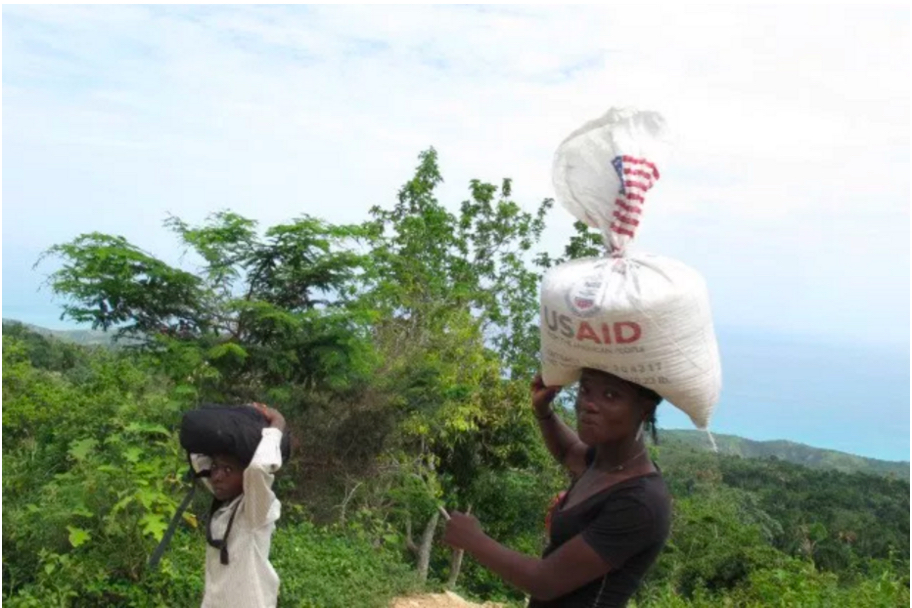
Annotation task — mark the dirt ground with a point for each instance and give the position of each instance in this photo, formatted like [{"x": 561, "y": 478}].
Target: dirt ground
[{"x": 447, "y": 599}]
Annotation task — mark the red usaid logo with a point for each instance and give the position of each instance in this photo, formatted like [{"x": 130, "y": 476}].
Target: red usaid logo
[
  {"x": 619, "y": 332},
  {"x": 622, "y": 332}
]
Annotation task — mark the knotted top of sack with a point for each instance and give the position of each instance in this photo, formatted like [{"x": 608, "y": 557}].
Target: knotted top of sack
[{"x": 604, "y": 169}]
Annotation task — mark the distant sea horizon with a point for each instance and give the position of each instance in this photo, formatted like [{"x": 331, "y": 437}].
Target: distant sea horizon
[{"x": 845, "y": 396}]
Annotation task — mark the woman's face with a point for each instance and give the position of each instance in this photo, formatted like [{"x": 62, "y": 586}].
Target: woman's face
[{"x": 608, "y": 409}]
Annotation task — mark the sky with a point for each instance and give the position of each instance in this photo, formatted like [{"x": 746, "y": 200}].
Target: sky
[{"x": 788, "y": 186}]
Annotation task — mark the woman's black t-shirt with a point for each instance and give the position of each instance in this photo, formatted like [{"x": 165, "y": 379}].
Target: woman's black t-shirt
[{"x": 627, "y": 524}]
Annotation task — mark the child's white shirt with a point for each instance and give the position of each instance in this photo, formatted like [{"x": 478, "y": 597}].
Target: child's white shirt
[{"x": 248, "y": 580}]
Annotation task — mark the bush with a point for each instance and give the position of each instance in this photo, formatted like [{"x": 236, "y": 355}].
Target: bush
[
  {"x": 89, "y": 474},
  {"x": 330, "y": 567}
]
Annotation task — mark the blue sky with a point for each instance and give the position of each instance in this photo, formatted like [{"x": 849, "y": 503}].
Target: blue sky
[{"x": 788, "y": 188}]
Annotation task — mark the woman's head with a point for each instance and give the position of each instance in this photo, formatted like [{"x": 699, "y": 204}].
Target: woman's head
[{"x": 612, "y": 410}]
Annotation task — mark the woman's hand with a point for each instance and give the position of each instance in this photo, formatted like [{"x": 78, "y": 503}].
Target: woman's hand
[
  {"x": 542, "y": 396},
  {"x": 462, "y": 531}
]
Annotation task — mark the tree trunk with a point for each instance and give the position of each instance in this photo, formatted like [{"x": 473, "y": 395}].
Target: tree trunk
[
  {"x": 424, "y": 551},
  {"x": 409, "y": 543},
  {"x": 455, "y": 566},
  {"x": 345, "y": 501},
  {"x": 456, "y": 561}
]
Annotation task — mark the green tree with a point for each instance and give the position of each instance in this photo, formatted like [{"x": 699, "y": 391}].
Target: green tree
[
  {"x": 263, "y": 311},
  {"x": 455, "y": 304},
  {"x": 430, "y": 263}
]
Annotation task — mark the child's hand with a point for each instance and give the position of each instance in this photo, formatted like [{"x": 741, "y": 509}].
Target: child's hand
[{"x": 273, "y": 417}]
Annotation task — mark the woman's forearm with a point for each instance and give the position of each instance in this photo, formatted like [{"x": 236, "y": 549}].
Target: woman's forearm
[
  {"x": 559, "y": 438},
  {"x": 521, "y": 571}
]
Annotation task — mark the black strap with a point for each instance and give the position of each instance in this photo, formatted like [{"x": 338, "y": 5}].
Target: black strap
[
  {"x": 220, "y": 544},
  {"x": 172, "y": 527}
]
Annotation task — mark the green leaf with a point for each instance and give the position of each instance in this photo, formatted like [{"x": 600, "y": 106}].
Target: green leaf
[
  {"x": 138, "y": 427},
  {"x": 227, "y": 349},
  {"x": 147, "y": 497},
  {"x": 132, "y": 454},
  {"x": 153, "y": 525},
  {"x": 78, "y": 536},
  {"x": 121, "y": 504},
  {"x": 81, "y": 449}
]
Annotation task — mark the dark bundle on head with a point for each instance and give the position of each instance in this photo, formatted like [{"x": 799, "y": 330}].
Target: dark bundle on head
[{"x": 227, "y": 430}]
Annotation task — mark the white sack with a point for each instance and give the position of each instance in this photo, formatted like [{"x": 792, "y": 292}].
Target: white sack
[{"x": 644, "y": 318}]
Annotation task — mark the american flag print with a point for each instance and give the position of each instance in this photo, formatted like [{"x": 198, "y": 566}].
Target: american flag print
[{"x": 636, "y": 177}]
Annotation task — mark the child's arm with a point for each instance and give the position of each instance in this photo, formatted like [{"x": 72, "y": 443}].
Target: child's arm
[{"x": 258, "y": 476}]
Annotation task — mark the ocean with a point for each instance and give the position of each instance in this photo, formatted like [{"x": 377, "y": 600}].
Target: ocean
[{"x": 837, "y": 395}]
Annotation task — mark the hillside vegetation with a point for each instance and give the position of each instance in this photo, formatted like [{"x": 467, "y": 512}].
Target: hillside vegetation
[{"x": 400, "y": 351}]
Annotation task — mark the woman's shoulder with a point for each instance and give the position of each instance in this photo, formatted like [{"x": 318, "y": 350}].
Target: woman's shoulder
[
  {"x": 646, "y": 491},
  {"x": 640, "y": 506},
  {"x": 646, "y": 500}
]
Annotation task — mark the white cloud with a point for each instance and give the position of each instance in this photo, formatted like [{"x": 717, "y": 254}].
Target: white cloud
[{"x": 784, "y": 119}]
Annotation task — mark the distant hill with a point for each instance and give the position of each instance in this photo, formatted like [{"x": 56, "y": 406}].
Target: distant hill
[
  {"x": 797, "y": 453},
  {"x": 85, "y": 337}
]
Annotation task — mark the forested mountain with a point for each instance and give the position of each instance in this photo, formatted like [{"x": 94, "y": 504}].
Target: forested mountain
[
  {"x": 789, "y": 451},
  {"x": 85, "y": 337}
]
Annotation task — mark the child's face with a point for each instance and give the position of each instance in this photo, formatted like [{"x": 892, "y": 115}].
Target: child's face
[{"x": 227, "y": 477}]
